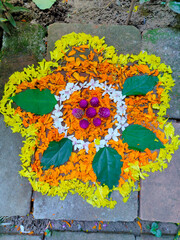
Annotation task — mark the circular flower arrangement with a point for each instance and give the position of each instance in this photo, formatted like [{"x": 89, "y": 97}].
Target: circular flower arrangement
[{"x": 93, "y": 123}]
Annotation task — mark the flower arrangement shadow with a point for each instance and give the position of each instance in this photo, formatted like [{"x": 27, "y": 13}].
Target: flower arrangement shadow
[{"x": 93, "y": 121}]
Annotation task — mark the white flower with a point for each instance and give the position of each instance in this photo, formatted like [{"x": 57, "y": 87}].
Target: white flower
[
  {"x": 121, "y": 110},
  {"x": 112, "y": 133},
  {"x": 93, "y": 84},
  {"x": 116, "y": 96},
  {"x": 57, "y": 112},
  {"x": 100, "y": 144},
  {"x": 83, "y": 145},
  {"x": 108, "y": 89},
  {"x": 74, "y": 140},
  {"x": 121, "y": 123}
]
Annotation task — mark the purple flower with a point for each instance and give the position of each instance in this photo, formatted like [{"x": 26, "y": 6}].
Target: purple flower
[
  {"x": 94, "y": 102},
  {"x": 84, "y": 123},
  {"x": 83, "y": 103},
  {"x": 104, "y": 112},
  {"x": 91, "y": 112},
  {"x": 77, "y": 112},
  {"x": 97, "y": 122}
]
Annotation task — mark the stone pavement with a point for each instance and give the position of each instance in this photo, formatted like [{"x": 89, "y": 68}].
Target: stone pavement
[{"x": 159, "y": 196}]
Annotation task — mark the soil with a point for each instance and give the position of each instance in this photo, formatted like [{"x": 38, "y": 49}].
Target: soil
[{"x": 149, "y": 15}]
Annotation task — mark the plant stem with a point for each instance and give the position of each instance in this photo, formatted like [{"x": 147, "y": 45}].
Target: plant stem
[{"x": 130, "y": 11}]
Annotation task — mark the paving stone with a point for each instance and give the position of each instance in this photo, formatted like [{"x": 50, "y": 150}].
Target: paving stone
[
  {"x": 149, "y": 237},
  {"x": 89, "y": 236},
  {"x": 11, "y": 64},
  {"x": 15, "y": 192},
  {"x": 25, "y": 39},
  {"x": 160, "y": 192},
  {"x": 126, "y": 39},
  {"x": 74, "y": 207},
  {"x": 165, "y": 42},
  {"x": 18, "y": 237}
]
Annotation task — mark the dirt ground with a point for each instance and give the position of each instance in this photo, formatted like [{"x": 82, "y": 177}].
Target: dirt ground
[{"x": 145, "y": 16}]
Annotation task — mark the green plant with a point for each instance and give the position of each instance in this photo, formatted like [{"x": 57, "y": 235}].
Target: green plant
[
  {"x": 175, "y": 6},
  {"x": 154, "y": 230},
  {"x": 6, "y": 10},
  {"x": 44, "y": 4}
]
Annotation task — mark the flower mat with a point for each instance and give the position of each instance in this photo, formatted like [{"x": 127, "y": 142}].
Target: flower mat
[{"x": 94, "y": 122}]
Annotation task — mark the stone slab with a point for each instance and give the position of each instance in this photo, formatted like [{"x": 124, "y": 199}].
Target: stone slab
[
  {"x": 15, "y": 192},
  {"x": 126, "y": 39},
  {"x": 11, "y": 64},
  {"x": 165, "y": 42},
  {"x": 25, "y": 39},
  {"x": 20, "y": 237},
  {"x": 160, "y": 192},
  {"x": 75, "y": 208},
  {"x": 150, "y": 237},
  {"x": 89, "y": 236}
]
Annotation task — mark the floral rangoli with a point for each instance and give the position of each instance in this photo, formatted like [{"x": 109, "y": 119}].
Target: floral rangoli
[{"x": 94, "y": 122}]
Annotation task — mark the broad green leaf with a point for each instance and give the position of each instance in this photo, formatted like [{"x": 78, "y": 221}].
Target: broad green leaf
[
  {"x": 5, "y": 28},
  {"x": 10, "y": 18},
  {"x": 44, "y": 4},
  {"x": 1, "y": 6},
  {"x": 107, "y": 166},
  {"x": 35, "y": 101},
  {"x": 57, "y": 153},
  {"x": 175, "y": 6},
  {"x": 139, "y": 138},
  {"x": 139, "y": 85}
]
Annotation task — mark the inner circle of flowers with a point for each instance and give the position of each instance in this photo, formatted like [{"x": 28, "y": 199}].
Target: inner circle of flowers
[{"x": 120, "y": 116}]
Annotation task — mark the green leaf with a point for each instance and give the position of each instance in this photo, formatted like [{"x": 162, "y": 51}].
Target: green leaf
[
  {"x": 19, "y": 9},
  {"x": 35, "y": 101},
  {"x": 153, "y": 231},
  {"x": 5, "y": 28},
  {"x": 10, "y": 18},
  {"x": 139, "y": 138},
  {"x": 107, "y": 166},
  {"x": 3, "y": 20},
  {"x": 1, "y": 6},
  {"x": 158, "y": 233},
  {"x": 139, "y": 85},
  {"x": 57, "y": 153},
  {"x": 44, "y": 4},
  {"x": 175, "y": 6},
  {"x": 154, "y": 225}
]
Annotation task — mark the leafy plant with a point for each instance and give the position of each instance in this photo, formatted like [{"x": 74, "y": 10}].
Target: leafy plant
[
  {"x": 6, "y": 9},
  {"x": 175, "y": 6},
  {"x": 154, "y": 230},
  {"x": 44, "y": 4}
]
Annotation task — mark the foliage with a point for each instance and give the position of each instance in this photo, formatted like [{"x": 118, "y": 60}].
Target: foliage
[
  {"x": 6, "y": 10},
  {"x": 35, "y": 101},
  {"x": 173, "y": 5},
  {"x": 139, "y": 85},
  {"x": 154, "y": 230},
  {"x": 139, "y": 138},
  {"x": 107, "y": 166},
  {"x": 44, "y": 4},
  {"x": 57, "y": 153}
]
